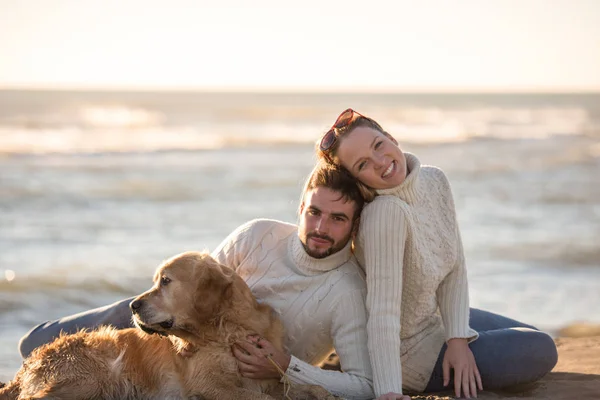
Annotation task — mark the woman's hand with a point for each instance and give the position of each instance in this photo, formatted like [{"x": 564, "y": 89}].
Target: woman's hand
[
  {"x": 466, "y": 375},
  {"x": 393, "y": 396},
  {"x": 253, "y": 358}
]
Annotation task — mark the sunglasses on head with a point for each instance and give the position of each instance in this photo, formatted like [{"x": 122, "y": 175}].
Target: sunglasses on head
[{"x": 345, "y": 119}]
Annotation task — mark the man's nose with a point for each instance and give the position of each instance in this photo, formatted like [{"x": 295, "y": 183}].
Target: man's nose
[{"x": 322, "y": 224}]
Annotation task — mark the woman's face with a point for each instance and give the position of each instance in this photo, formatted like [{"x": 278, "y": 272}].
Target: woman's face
[{"x": 372, "y": 157}]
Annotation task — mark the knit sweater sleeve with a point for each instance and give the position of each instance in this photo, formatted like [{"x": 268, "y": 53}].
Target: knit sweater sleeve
[
  {"x": 453, "y": 293},
  {"x": 348, "y": 330},
  {"x": 453, "y": 299},
  {"x": 382, "y": 235}
]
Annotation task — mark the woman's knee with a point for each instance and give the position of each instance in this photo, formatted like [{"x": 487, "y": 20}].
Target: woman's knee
[
  {"x": 540, "y": 355},
  {"x": 514, "y": 356},
  {"x": 546, "y": 355}
]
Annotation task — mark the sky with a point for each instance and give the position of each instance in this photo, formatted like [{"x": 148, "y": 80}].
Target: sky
[{"x": 396, "y": 45}]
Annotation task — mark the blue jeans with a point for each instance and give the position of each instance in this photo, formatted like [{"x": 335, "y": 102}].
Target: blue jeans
[
  {"x": 117, "y": 314},
  {"x": 507, "y": 353}
]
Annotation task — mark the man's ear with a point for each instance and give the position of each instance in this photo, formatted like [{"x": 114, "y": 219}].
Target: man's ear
[{"x": 355, "y": 227}]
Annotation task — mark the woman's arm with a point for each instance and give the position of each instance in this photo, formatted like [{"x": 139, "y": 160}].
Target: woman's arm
[
  {"x": 453, "y": 302},
  {"x": 382, "y": 235},
  {"x": 453, "y": 293},
  {"x": 453, "y": 299}
]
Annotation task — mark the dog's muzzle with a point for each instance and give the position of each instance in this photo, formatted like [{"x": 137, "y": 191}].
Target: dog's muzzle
[{"x": 151, "y": 331}]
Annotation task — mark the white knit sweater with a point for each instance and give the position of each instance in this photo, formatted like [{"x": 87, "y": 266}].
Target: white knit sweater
[
  {"x": 410, "y": 246},
  {"x": 321, "y": 303}
]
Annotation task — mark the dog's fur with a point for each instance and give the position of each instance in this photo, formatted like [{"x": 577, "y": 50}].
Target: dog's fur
[{"x": 199, "y": 308}]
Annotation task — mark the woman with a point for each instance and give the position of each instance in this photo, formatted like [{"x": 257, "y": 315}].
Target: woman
[{"x": 420, "y": 325}]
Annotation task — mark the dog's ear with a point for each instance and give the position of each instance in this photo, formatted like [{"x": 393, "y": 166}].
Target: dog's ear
[
  {"x": 227, "y": 272},
  {"x": 214, "y": 286},
  {"x": 218, "y": 274}
]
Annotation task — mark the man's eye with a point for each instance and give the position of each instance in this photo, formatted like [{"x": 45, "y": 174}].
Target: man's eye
[
  {"x": 378, "y": 144},
  {"x": 164, "y": 281}
]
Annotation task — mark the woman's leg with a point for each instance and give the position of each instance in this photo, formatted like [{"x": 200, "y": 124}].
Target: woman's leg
[
  {"x": 505, "y": 356},
  {"x": 487, "y": 321},
  {"x": 117, "y": 315}
]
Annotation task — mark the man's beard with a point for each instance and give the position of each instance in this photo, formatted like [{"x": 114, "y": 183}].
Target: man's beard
[{"x": 334, "y": 248}]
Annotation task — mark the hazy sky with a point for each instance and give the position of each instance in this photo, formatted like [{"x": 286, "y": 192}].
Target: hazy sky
[{"x": 308, "y": 44}]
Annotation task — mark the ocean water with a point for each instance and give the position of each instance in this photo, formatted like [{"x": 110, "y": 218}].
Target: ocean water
[{"x": 97, "y": 188}]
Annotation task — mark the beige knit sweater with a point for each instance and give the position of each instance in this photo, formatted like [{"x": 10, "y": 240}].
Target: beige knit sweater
[
  {"x": 417, "y": 297},
  {"x": 321, "y": 302}
]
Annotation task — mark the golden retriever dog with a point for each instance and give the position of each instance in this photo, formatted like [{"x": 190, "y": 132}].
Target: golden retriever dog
[{"x": 199, "y": 308}]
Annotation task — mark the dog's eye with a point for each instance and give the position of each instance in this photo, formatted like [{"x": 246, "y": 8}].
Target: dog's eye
[{"x": 164, "y": 281}]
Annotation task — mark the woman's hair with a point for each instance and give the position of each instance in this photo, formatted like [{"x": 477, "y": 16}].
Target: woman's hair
[
  {"x": 330, "y": 156},
  {"x": 337, "y": 179}
]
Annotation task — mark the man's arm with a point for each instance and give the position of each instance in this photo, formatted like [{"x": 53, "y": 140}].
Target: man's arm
[
  {"x": 349, "y": 333},
  {"x": 117, "y": 314}
]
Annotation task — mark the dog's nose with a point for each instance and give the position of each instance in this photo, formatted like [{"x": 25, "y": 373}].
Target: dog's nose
[{"x": 135, "y": 305}]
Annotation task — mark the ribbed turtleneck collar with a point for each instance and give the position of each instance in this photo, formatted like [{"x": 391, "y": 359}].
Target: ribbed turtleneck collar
[
  {"x": 313, "y": 266},
  {"x": 408, "y": 189}
]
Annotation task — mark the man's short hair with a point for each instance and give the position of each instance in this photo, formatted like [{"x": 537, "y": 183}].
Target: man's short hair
[{"x": 338, "y": 180}]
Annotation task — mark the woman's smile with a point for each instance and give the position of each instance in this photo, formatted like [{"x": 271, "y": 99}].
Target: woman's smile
[{"x": 390, "y": 170}]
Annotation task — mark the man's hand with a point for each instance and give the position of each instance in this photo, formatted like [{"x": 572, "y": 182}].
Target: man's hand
[
  {"x": 393, "y": 396},
  {"x": 253, "y": 358},
  {"x": 466, "y": 375}
]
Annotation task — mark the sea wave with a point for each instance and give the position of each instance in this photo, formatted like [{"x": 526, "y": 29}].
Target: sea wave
[
  {"x": 38, "y": 123},
  {"x": 152, "y": 138},
  {"x": 26, "y": 293}
]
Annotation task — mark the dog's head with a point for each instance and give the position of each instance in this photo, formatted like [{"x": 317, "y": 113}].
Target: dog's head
[{"x": 189, "y": 290}]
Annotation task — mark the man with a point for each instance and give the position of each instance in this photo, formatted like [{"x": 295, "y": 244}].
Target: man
[{"x": 307, "y": 273}]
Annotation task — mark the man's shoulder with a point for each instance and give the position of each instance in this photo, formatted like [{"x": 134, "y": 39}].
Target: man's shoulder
[{"x": 264, "y": 225}]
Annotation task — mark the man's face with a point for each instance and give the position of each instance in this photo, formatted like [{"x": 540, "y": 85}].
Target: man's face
[{"x": 325, "y": 222}]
